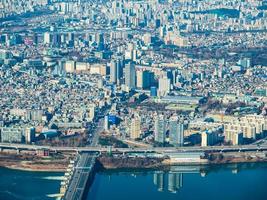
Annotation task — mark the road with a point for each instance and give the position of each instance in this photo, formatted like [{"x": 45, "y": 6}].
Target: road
[
  {"x": 83, "y": 168},
  {"x": 99, "y": 149},
  {"x": 99, "y": 129}
]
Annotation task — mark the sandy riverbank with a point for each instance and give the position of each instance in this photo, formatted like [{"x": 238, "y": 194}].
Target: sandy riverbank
[{"x": 33, "y": 163}]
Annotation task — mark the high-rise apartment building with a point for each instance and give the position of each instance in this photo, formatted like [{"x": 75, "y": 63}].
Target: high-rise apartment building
[
  {"x": 144, "y": 79},
  {"x": 135, "y": 131},
  {"x": 113, "y": 72},
  {"x": 130, "y": 76},
  {"x": 164, "y": 86},
  {"x": 47, "y": 38},
  {"x": 160, "y": 129},
  {"x": 209, "y": 138},
  {"x": 176, "y": 134}
]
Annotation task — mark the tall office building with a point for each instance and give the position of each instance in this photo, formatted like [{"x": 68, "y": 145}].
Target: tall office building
[
  {"x": 56, "y": 39},
  {"x": 208, "y": 138},
  {"x": 237, "y": 138},
  {"x": 70, "y": 39},
  {"x": 139, "y": 79},
  {"x": 91, "y": 112},
  {"x": 70, "y": 66},
  {"x": 106, "y": 123},
  {"x": 170, "y": 74},
  {"x": 164, "y": 86},
  {"x": 134, "y": 55},
  {"x": 135, "y": 131},
  {"x": 29, "y": 135},
  {"x": 130, "y": 76},
  {"x": 35, "y": 38},
  {"x": 120, "y": 66},
  {"x": 160, "y": 129},
  {"x": 144, "y": 79},
  {"x": 47, "y": 38},
  {"x": 176, "y": 134},
  {"x": 99, "y": 38},
  {"x": 116, "y": 70},
  {"x": 60, "y": 68},
  {"x": 113, "y": 71},
  {"x": 204, "y": 139}
]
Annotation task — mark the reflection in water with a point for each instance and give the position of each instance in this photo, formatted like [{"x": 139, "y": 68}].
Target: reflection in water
[
  {"x": 179, "y": 182},
  {"x": 174, "y": 178},
  {"x": 175, "y": 181},
  {"x": 159, "y": 180}
]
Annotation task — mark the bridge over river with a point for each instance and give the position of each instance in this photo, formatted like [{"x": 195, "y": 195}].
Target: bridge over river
[{"x": 83, "y": 174}]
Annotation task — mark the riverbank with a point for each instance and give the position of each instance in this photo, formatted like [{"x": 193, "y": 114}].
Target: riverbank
[
  {"x": 237, "y": 157},
  {"x": 121, "y": 162},
  {"x": 59, "y": 162},
  {"x": 28, "y": 162}
]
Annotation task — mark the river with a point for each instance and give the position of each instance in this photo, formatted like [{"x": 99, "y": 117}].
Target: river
[
  {"x": 226, "y": 182},
  {"x": 221, "y": 182},
  {"x": 26, "y": 185}
]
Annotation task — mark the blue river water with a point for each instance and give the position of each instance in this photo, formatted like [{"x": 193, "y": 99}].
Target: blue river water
[
  {"x": 224, "y": 182},
  {"x": 228, "y": 182},
  {"x": 25, "y": 185}
]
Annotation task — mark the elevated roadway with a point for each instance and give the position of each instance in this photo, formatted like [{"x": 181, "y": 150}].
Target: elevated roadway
[
  {"x": 83, "y": 170},
  {"x": 98, "y": 149},
  {"x": 81, "y": 174}
]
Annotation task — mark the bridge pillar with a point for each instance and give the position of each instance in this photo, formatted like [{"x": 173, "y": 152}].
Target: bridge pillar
[{"x": 1, "y": 149}]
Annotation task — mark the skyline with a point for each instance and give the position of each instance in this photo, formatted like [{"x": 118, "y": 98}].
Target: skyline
[{"x": 88, "y": 85}]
